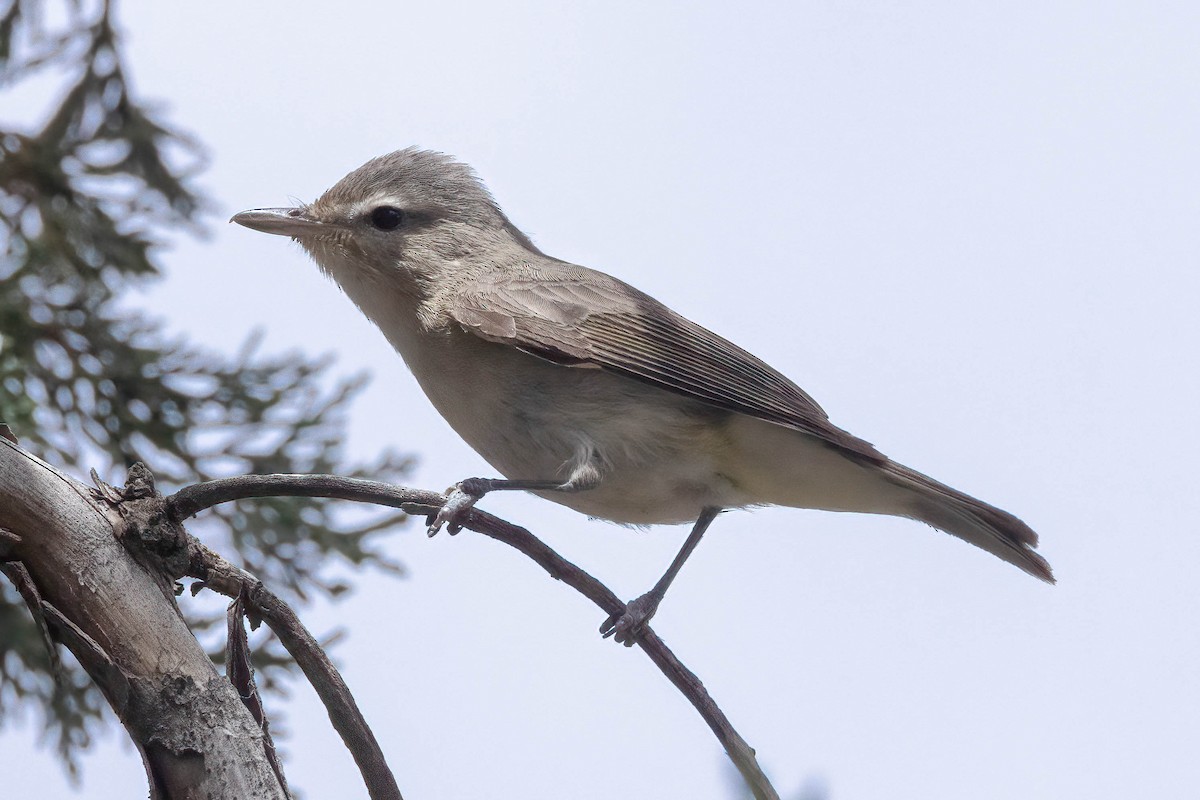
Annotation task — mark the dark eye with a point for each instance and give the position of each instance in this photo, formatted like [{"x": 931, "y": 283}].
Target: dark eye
[{"x": 387, "y": 218}]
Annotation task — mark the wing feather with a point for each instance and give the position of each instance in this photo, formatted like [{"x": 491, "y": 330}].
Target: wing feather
[{"x": 579, "y": 317}]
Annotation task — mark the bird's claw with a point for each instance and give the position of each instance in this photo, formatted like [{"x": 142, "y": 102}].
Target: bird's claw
[
  {"x": 628, "y": 626},
  {"x": 459, "y": 500}
]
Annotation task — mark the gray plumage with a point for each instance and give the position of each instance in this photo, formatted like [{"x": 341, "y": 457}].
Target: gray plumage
[{"x": 556, "y": 372}]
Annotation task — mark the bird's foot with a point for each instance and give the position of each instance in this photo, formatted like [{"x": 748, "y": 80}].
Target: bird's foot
[
  {"x": 460, "y": 498},
  {"x": 628, "y": 626}
]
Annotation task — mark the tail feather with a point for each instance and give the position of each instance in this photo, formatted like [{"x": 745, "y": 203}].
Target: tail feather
[{"x": 985, "y": 526}]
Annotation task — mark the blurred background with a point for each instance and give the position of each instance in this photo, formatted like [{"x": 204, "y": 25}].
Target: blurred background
[{"x": 968, "y": 230}]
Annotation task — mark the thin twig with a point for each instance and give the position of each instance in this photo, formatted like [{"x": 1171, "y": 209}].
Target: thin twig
[
  {"x": 240, "y": 672},
  {"x": 195, "y": 498},
  {"x": 91, "y": 655},
  {"x": 190, "y": 500},
  {"x": 8, "y": 544},
  {"x": 686, "y": 681},
  {"x": 18, "y": 574},
  {"x": 223, "y": 577}
]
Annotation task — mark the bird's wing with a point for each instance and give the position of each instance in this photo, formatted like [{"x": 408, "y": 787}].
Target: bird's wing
[{"x": 582, "y": 318}]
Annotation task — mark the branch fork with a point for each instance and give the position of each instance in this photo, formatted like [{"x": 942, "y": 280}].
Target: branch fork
[
  {"x": 221, "y": 576},
  {"x": 150, "y": 527}
]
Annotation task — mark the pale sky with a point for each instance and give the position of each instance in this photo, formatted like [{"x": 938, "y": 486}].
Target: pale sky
[{"x": 970, "y": 232}]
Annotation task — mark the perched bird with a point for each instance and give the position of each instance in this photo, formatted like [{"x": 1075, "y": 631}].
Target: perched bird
[{"x": 578, "y": 387}]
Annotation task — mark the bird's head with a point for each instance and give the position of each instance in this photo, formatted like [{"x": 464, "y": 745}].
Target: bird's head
[{"x": 405, "y": 215}]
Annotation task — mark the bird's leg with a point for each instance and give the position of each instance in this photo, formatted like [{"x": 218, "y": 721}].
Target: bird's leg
[
  {"x": 626, "y": 627},
  {"x": 467, "y": 493}
]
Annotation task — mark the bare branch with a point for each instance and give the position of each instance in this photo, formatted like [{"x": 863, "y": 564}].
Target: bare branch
[
  {"x": 19, "y": 576},
  {"x": 8, "y": 541},
  {"x": 190, "y": 500},
  {"x": 240, "y": 672},
  {"x": 108, "y": 676},
  {"x": 188, "y": 724},
  {"x": 223, "y": 577},
  {"x": 193, "y": 499},
  {"x": 686, "y": 681}
]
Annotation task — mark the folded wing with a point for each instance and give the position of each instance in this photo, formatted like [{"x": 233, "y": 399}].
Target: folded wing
[{"x": 581, "y": 318}]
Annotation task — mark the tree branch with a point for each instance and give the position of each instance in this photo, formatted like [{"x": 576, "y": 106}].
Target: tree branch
[
  {"x": 187, "y": 722},
  {"x": 8, "y": 541},
  {"x": 223, "y": 577},
  {"x": 240, "y": 672},
  {"x": 195, "y": 498},
  {"x": 22, "y": 581}
]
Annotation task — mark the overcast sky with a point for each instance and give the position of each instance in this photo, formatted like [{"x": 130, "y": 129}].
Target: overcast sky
[{"x": 969, "y": 232}]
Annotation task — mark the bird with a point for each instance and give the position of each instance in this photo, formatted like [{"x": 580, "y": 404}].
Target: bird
[{"x": 578, "y": 387}]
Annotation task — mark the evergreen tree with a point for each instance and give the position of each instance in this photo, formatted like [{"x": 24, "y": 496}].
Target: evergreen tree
[{"x": 86, "y": 198}]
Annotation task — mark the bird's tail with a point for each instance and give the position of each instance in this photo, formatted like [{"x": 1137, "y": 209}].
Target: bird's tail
[{"x": 996, "y": 531}]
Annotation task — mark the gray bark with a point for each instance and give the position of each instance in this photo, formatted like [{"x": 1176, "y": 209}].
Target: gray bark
[{"x": 117, "y": 614}]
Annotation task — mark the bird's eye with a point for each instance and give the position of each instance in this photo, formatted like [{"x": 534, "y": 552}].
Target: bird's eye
[{"x": 387, "y": 218}]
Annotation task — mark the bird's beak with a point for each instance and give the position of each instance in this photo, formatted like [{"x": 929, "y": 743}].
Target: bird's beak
[{"x": 293, "y": 222}]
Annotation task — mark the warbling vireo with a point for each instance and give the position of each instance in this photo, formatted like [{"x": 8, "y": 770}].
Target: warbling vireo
[{"x": 580, "y": 388}]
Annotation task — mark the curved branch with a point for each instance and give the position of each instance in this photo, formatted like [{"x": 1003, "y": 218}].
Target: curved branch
[
  {"x": 192, "y": 499},
  {"x": 227, "y": 579}
]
